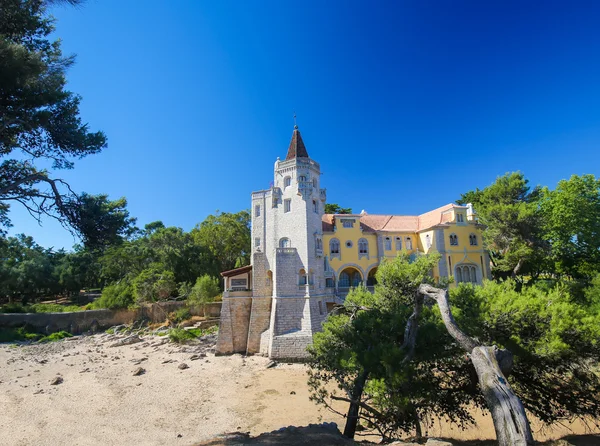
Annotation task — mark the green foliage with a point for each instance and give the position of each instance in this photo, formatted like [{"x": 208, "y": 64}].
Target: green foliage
[
  {"x": 554, "y": 337},
  {"x": 510, "y": 212},
  {"x": 41, "y": 126},
  {"x": 18, "y": 334},
  {"x": 205, "y": 290},
  {"x": 180, "y": 315},
  {"x": 101, "y": 222},
  {"x": 116, "y": 296},
  {"x": 571, "y": 215},
  {"x": 227, "y": 237},
  {"x": 57, "y": 336},
  {"x": 181, "y": 336},
  {"x": 154, "y": 284},
  {"x": 334, "y": 208}
]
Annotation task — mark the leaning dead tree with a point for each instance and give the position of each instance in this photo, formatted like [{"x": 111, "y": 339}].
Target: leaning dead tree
[{"x": 491, "y": 365}]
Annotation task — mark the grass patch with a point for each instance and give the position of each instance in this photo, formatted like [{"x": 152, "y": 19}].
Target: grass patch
[
  {"x": 56, "y": 336},
  {"x": 180, "y": 336},
  {"x": 39, "y": 308},
  {"x": 26, "y": 334}
]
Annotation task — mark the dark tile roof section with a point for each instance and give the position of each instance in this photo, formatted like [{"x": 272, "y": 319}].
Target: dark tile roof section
[
  {"x": 235, "y": 272},
  {"x": 297, "y": 148}
]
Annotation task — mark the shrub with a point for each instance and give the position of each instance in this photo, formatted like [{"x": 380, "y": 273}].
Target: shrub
[
  {"x": 56, "y": 336},
  {"x": 205, "y": 290},
  {"x": 183, "y": 314},
  {"x": 180, "y": 336},
  {"x": 118, "y": 295},
  {"x": 153, "y": 284}
]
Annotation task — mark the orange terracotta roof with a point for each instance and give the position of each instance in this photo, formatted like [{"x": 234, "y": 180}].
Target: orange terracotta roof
[
  {"x": 432, "y": 218},
  {"x": 297, "y": 149},
  {"x": 395, "y": 223}
]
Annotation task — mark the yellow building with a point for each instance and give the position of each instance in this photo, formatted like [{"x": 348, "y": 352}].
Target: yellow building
[
  {"x": 305, "y": 261},
  {"x": 355, "y": 244}
]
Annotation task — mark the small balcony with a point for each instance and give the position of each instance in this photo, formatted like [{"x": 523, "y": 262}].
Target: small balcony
[{"x": 285, "y": 251}]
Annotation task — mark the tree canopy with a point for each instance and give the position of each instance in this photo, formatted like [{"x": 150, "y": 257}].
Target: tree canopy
[{"x": 41, "y": 128}]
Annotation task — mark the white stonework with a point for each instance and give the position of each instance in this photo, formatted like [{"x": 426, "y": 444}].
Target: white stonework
[{"x": 288, "y": 273}]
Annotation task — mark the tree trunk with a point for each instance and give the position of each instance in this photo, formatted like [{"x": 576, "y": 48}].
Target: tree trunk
[
  {"x": 508, "y": 413},
  {"x": 491, "y": 365},
  {"x": 352, "y": 417}
]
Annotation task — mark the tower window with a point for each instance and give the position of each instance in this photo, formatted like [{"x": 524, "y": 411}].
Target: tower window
[
  {"x": 453, "y": 240},
  {"x": 257, "y": 242},
  {"x": 287, "y": 181},
  {"x": 257, "y": 210},
  {"x": 287, "y": 205},
  {"x": 473, "y": 240},
  {"x": 301, "y": 179},
  {"x": 315, "y": 207},
  {"x": 315, "y": 183}
]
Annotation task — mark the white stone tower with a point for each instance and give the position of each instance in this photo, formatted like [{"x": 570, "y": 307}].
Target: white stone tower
[{"x": 287, "y": 264}]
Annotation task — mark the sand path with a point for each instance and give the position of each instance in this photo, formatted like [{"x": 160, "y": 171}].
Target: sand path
[{"x": 100, "y": 402}]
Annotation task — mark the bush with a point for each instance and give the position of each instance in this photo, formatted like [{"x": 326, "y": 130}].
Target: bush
[
  {"x": 116, "y": 296},
  {"x": 183, "y": 314},
  {"x": 205, "y": 290},
  {"x": 152, "y": 285},
  {"x": 56, "y": 336},
  {"x": 180, "y": 336}
]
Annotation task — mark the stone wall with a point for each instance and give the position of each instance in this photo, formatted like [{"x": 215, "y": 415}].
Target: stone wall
[
  {"x": 234, "y": 325},
  {"x": 260, "y": 317},
  {"x": 77, "y": 322}
]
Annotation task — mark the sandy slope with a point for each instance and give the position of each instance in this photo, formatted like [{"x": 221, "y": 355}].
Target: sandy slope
[{"x": 100, "y": 402}]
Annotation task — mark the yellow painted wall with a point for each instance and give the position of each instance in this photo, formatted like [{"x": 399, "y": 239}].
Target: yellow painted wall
[{"x": 457, "y": 255}]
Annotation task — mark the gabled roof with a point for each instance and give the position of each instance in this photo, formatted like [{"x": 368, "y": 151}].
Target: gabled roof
[
  {"x": 297, "y": 148},
  {"x": 396, "y": 223}
]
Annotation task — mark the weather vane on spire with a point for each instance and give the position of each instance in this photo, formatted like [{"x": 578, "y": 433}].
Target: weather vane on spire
[{"x": 295, "y": 124}]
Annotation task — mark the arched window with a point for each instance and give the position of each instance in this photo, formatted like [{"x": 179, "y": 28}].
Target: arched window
[
  {"x": 371, "y": 280},
  {"x": 473, "y": 240},
  {"x": 284, "y": 242},
  {"x": 408, "y": 243},
  {"x": 301, "y": 179},
  {"x": 302, "y": 278},
  {"x": 363, "y": 247},
  {"x": 387, "y": 244},
  {"x": 428, "y": 241},
  {"x": 287, "y": 181},
  {"x": 334, "y": 246},
  {"x": 453, "y": 240},
  {"x": 315, "y": 183},
  {"x": 398, "y": 243},
  {"x": 349, "y": 277},
  {"x": 466, "y": 274}
]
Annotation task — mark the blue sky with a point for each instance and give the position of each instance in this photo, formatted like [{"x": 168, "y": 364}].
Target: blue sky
[{"x": 405, "y": 104}]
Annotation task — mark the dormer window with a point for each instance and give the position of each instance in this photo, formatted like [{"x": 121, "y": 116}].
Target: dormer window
[
  {"x": 347, "y": 223},
  {"x": 460, "y": 218}
]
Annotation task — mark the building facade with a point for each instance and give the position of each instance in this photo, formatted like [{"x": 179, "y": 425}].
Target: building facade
[{"x": 305, "y": 261}]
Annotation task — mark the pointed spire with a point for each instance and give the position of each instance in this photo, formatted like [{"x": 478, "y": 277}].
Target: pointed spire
[{"x": 297, "y": 148}]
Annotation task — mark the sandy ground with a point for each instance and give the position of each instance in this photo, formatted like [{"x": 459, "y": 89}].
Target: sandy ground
[{"x": 101, "y": 402}]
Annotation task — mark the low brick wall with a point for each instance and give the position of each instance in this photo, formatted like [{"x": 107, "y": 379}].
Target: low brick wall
[{"x": 80, "y": 321}]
